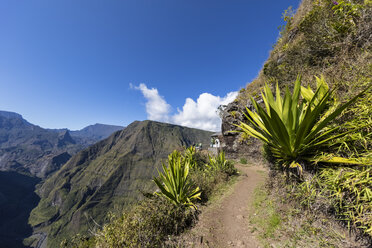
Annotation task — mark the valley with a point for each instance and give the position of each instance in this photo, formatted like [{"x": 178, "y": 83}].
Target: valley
[
  {"x": 28, "y": 155},
  {"x": 17, "y": 199},
  {"x": 76, "y": 177}
]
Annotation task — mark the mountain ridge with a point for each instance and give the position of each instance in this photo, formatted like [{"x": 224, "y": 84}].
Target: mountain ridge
[
  {"x": 106, "y": 176},
  {"x": 30, "y": 149}
]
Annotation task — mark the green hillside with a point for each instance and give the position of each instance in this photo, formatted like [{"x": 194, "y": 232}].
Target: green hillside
[
  {"x": 322, "y": 38},
  {"x": 107, "y": 177}
]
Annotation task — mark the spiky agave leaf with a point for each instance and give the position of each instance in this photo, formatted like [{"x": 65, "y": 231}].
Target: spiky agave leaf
[{"x": 295, "y": 129}]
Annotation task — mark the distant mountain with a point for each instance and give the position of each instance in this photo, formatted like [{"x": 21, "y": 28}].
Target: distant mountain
[
  {"x": 30, "y": 149},
  {"x": 33, "y": 150},
  {"x": 26, "y": 151},
  {"x": 96, "y": 131},
  {"x": 107, "y": 176}
]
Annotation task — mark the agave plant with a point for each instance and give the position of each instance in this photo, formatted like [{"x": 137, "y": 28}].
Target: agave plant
[
  {"x": 217, "y": 163},
  {"x": 295, "y": 129},
  {"x": 190, "y": 156},
  {"x": 221, "y": 163},
  {"x": 174, "y": 183}
]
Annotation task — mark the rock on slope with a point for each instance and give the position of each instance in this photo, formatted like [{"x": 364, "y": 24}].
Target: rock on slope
[{"x": 107, "y": 176}]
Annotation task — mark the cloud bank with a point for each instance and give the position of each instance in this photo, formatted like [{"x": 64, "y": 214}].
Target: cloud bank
[{"x": 201, "y": 113}]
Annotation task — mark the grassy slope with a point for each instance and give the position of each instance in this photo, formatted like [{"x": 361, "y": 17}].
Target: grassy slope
[
  {"x": 107, "y": 176},
  {"x": 311, "y": 45},
  {"x": 277, "y": 218}
]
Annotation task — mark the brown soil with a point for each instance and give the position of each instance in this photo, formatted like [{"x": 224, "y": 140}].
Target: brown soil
[{"x": 225, "y": 223}]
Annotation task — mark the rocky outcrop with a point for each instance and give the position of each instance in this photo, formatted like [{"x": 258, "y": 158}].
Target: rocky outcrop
[
  {"x": 65, "y": 139},
  {"x": 235, "y": 144}
]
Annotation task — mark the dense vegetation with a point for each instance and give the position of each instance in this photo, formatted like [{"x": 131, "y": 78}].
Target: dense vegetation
[
  {"x": 333, "y": 39},
  {"x": 167, "y": 212}
]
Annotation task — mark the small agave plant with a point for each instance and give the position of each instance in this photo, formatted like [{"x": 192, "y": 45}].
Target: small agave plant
[
  {"x": 297, "y": 129},
  {"x": 217, "y": 163},
  {"x": 190, "y": 156},
  {"x": 174, "y": 183}
]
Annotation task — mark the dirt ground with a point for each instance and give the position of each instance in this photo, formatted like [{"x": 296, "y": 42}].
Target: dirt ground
[{"x": 225, "y": 222}]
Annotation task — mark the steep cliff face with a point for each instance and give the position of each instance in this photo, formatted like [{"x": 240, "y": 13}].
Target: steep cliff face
[
  {"x": 107, "y": 176},
  {"x": 329, "y": 38}
]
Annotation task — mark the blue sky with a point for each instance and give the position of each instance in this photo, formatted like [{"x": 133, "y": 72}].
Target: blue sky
[{"x": 73, "y": 63}]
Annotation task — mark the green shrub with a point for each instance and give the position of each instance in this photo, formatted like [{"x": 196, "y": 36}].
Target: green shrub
[
  {"x": 243, "y": 161},
  {"x": 78, "y": 241},
  {"x": 210, "y": 172},
  {"x": 357, "y": 144},
  {"x": 147, "y": 225},
  {"x": 207, "y": 181},
  {"x": 220, "y": 163},
  {"x": 201, "y": 159},
  {"x": 345, "y": 191}
]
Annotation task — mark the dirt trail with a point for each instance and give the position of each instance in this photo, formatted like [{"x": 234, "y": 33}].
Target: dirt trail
[{"x": 225, "y": 224}]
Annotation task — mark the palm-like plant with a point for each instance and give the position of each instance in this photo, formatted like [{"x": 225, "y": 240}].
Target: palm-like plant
[
  {"x": 174, "y": 183},
  {"x": 295, "y": 129}
]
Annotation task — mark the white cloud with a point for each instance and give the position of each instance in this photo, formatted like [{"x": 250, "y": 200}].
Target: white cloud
[
  {"x": 201, "y": 114},
  {"x": 156, "y": 107}
]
